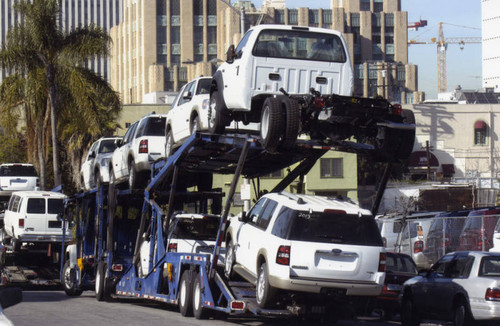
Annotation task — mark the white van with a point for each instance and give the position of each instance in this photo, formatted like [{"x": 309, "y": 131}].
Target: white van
[{"x": 34, "y": 217}]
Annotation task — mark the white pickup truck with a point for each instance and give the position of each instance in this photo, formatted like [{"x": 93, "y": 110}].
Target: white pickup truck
[{"x": 299, "y": 80}]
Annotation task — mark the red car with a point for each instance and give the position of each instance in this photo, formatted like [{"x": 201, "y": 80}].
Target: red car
[
  {"x": 399, "y": 268},
  {"x": 477, "y": 234}
]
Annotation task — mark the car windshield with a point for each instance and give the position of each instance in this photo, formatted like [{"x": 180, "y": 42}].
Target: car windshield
[
  {"x": 155, "y": 127},
  {"x": 300, "y": 45},
  {"x": 400, "y": 264},
  {"x": 204, "y": 86},
  {"x": 490, "y": 266},
  {"x": 196, "y": 228},
  {"x": 17, "y": 170},
  {"x": 107, "y": 146},
  {"x": 329, "y": 227}
]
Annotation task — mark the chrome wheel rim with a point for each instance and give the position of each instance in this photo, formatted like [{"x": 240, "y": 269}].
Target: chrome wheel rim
[{"x": 261, "y": 283}]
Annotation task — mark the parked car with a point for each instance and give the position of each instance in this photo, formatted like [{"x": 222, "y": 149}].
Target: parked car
[
  {"x": 95, "y": 169},
  {"x": 15, "y": 177},
  {"x": 496, "y": 238},
  {"x": 306, "y": 244},
  {"x": 444, "y": 234},
  {"x": 34, "y": 217},
  {"x": 462, "y": 287},
  {"x": 398, "y": 269},
  {"x": 390, "y": 230},
  {"x": 189, "y": 113},
  {"x": 143, "y": 143},
  {"x": 412, "y": 239},
  {"x": 477, "y": 233}
]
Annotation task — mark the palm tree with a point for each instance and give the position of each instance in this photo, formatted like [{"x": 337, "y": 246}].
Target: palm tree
[{"x": 39, "y": 45}]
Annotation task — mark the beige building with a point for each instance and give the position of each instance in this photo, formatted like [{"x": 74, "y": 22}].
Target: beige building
[{"x": 162, "y": 44}]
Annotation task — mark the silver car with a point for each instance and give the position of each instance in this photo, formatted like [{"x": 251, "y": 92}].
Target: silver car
[
  {"x": 461, "y": 287},
  {"x": 95, "y": 169}
]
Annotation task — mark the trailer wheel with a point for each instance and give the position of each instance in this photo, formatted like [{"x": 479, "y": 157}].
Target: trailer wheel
[
  {"x": 216, "y": 115},
  {"x": 264, "y": 292},
  {"x": 271, "y": 124},
  {"x": 292, "y": 122},
  {"x": 102, "y": 292},
  {"x": 69, "y": 281},
  {"x": 198, "y": 310},
  {"x": 186, "y": 294}
]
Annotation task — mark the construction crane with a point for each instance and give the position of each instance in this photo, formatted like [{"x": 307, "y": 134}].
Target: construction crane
[{"x": 442, "y": 45}]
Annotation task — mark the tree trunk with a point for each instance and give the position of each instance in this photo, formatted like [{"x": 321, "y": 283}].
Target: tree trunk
[{"x": 51, "y": 74}]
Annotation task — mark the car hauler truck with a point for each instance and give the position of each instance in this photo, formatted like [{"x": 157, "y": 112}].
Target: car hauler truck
[{"x": 190, "y": 280}]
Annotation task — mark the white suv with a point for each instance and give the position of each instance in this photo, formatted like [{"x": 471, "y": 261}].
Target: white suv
[
  {"x": 95, "y": 169},
  {"x": 307, "y": 244},
  {"x": 15, "y": 177},
  {"x": 143, "y": 143}
]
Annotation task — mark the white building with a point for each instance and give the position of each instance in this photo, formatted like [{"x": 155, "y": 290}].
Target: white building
[
  {"x": 277, "y": 4},
  {"x": 74, "y": 13},
  {"x": 490, "y": 11}
]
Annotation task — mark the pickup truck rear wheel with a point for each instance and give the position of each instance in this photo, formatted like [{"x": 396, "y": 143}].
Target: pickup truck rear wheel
[
  {"x": 271, "y": 124},
  {"x": 265, "y": 292},
  {"x": 216, "y": 115},
  {"x": 292, "y": 121},
  {"x": 69, "y": 281}
]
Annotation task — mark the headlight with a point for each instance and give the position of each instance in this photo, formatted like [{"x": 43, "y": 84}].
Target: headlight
[{"x": 205, "y": 103}]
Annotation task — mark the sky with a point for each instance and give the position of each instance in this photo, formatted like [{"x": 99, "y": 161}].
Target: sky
[{"x": 463, "y": 66}]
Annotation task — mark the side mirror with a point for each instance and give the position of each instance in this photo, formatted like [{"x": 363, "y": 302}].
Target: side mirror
[
  {"x": 10, "y": 297},
  {"x": 242, "y": 217},
  {"x": 187, "y": 95},
  {"x": 118, "y": 142},
  {"x": 230, "y": 54},
  {"x": 92, "y": 154}
]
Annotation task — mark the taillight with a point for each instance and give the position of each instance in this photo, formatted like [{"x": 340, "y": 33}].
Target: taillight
[
  {"x": 237, "y": 305},
  {"x": 117, "y": 267},
  {"x": 172, "y": 247},
  {"x": 143, "y": 146},
  {"x": 381, "y": 261},
  {"x": 21, "y": 222},
  {"x": 38, "y": 182},
  {"x": 418, "y": 247},
  {"x": 492, "y": 294},
  {"x": 396, "y": 109},
  {"x": 283, "y": 256},
  {"x": 319, "y": 102}
]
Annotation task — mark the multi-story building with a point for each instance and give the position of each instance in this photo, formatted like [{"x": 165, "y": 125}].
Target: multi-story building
[
  {"x": 74, "y": 13},
  {"x": 490, "y": 27},
  {"x": 162, "y": 44}
]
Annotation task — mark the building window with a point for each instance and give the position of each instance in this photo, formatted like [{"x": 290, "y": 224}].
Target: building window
[
  {"x": 313, "y": 17},
  {"x": 198, "y": 20},
  {"x": 355, "y": 20},
  {"x": 364, "y": 5},
  {"x": 389, "y": 20},
  {"x": 358, "y": 71},
  {"x": 293, "y": 17},
  {"x": 401, "y": 73},
  {"x": 480, "y": 132},
  {"x": 279, "y": 16},
  {"x": 331, "y": 168},
  {"x": 327, "y": 17}
]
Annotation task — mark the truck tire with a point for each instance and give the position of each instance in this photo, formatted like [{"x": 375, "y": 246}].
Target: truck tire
[
  {"x": 198, "y": 310},
  {"x": 195, "y": 125},
  {"x": 169, "y": 144},
  {"x": 186, "y": 294},
  {"x": 271, "y": 124},
  {"x": 229, "y": 260},
  {"x": 69, "y": 281},
  {"x": 292, "y": 122},
  {"x": 265, "y": 292},
  {"x": 102, "y": 291},
  {"x": 409, "y": 316},
  {"x": 216, "y": 115}
]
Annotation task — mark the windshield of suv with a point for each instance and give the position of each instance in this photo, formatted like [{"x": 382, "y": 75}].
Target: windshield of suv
[
  {"x": 299, "y": 45},
  {"x": 17, "y": 170},
  {"x": 196, "y": 229},
  {"x": 334, "y": 228}
]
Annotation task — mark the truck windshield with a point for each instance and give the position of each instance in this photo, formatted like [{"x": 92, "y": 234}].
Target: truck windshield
[{"x": 299, "y": 45}]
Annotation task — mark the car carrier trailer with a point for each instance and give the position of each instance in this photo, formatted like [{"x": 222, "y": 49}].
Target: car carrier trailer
[{"x": 189, "y": 280}]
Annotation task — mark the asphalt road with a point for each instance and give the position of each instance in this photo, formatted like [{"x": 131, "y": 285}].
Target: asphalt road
[{"x": 55, "y": 308}]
